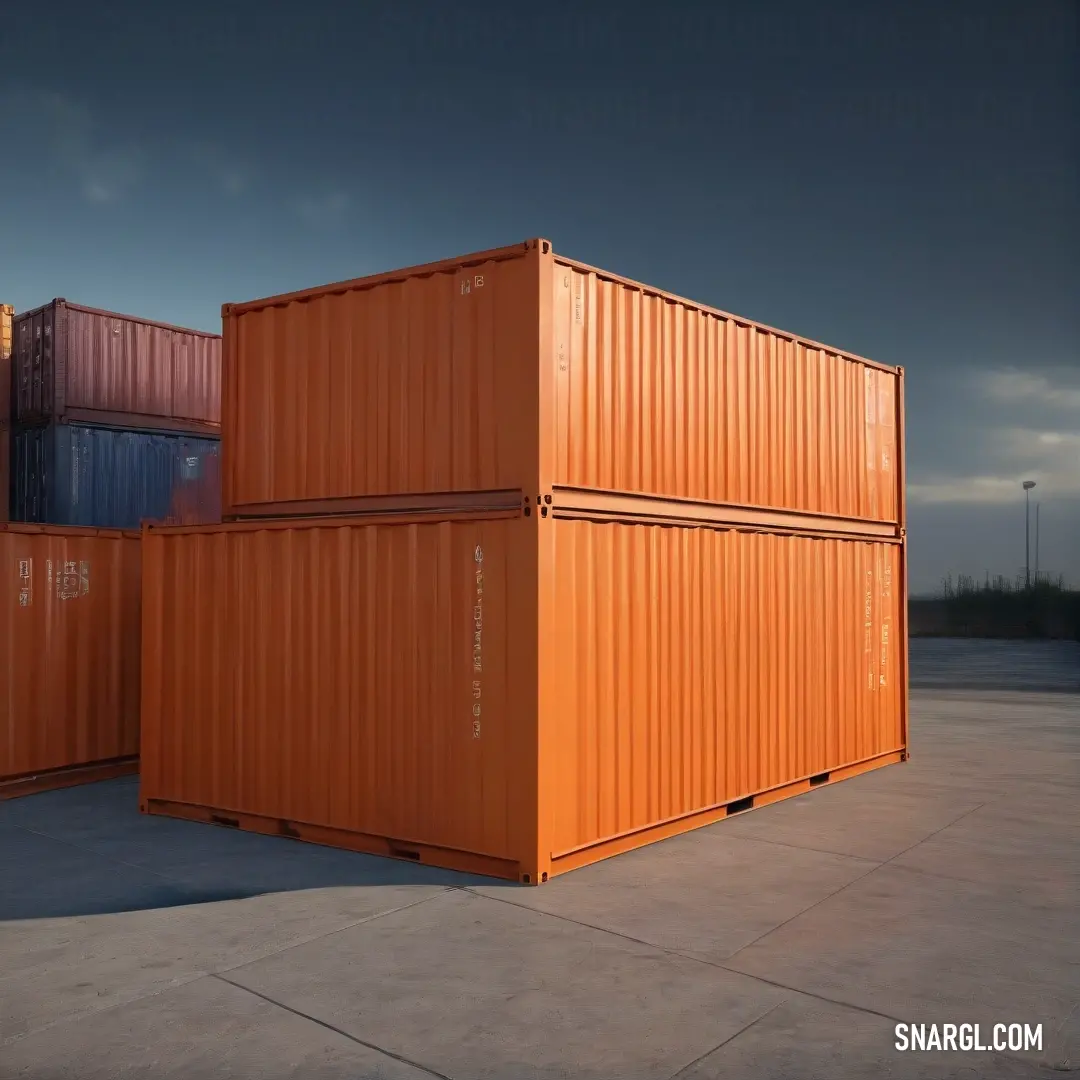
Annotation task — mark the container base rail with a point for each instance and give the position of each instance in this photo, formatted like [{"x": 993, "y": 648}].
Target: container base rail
[
  {"x": 564, "y": 861},
  {"x": 490, "y": 865},
  {"x": 70, "y": 776}
]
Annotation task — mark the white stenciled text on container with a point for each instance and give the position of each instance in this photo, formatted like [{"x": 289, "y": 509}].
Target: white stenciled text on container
[{"x": 477, "y": 639}]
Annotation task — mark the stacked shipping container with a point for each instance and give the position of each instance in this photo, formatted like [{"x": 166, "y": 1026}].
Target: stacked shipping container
[
  {"x": 112, "y": 415},
  {"x": 77, "y": 474},
  {"x": 115, "y": 420},
  {"x": 592, "y": 565}
]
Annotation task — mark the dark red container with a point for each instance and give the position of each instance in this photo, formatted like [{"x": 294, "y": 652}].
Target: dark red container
[
  {"x": 73, "y": 364},
  {"x": 5, "y": 471}
]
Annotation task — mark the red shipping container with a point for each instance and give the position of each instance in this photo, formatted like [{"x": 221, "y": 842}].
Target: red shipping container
[{"x": 74, "y": 363}]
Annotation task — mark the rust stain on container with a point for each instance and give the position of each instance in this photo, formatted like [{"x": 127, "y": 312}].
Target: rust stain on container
[
  {"x": 519, "y": 369},
  {"x": 69, "y": 649},
  {"x": 197, "y": 500},
  {"x": 512, "y": 695},
  {"x": 70, "y": 359}
]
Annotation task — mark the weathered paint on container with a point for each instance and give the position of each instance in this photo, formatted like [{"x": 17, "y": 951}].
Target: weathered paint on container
[
  {"x": 70, "y": 361},
  {"x": 73, "y": 474},
  {"x": 69, "y": 655},
  {"x": 518, "y": 370},
  {"x": 196, "y": 499},
  {"x": 505, "y": 694}
]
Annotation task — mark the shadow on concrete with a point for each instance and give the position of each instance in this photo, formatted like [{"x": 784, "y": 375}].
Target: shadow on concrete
[
  {"x": 993, "y": 665},
  {"x": 88, "y": 851}
]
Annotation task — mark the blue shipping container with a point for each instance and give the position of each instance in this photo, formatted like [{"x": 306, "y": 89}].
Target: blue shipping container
[{"x": 109, "y": 478}]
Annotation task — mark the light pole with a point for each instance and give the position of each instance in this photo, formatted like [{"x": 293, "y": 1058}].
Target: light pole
[
  {"x": 1028, "y": 485},
  {"x": 1036, "y": 543}
]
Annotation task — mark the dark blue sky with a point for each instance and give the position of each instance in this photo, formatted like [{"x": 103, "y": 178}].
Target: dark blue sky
[{"x": 901, "y": 183}]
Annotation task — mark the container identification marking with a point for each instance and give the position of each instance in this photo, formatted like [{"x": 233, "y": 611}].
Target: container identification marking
[
  {"x": 886, "y": 596},
  {"x": 71, "y": 578},
  {"x": 26, "y": 582},
  {"x": 73, "y": 581},
  {"x": 477, "y": 638},
  {"x": 868, "y": 629}
]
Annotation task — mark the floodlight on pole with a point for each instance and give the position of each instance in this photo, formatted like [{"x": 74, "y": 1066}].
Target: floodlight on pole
[{"x": 1028, "y": 485}]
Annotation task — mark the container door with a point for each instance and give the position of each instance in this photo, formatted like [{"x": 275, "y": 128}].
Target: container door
[{"x": 34, "y": 365}]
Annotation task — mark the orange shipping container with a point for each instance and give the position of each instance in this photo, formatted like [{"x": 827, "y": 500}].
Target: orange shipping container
[
  {"x": 7, "y": 313},
  {"x": 69, "y": 651},
  {"x": 517, "y": 371},
  {"x": 509, "y": 695}
]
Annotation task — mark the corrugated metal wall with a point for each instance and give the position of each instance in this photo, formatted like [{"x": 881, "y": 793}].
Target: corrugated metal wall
[
  {"x": 69, "y": 648},
  {"x": 418, "y": 385},
  {"x": 518, "y": 370},
  {"x": 547, "y": 686},
  {"x": 68, "y": 357},
  {"x": 689, "y": 667},
  {"x": 69, "y": 474},
  {"x": 330, "y": 672},
  {"x": 196, "y": 499},
  {"x": 371, "y": 678},
  {"x": 659, "y": 397}
]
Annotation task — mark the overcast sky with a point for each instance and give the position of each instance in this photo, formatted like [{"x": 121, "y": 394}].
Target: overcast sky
[{"x": 904, "y": 185}]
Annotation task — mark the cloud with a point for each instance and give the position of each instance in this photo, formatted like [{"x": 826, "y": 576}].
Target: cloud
[
  {"x": 325, "y": 209},
  {"x": 1024, "y": 425},
  {"x": 70, "y": 139},
  {"x": 1050, "y": 458},
  {"x": 1013, "y": 387},
  {"x": 104, "y": 168},
  {"x": 225, "y": 171},
  {"x": 980, "y": 490}
]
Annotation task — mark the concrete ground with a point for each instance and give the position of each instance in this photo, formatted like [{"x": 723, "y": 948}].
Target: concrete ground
[{"x": 786, "y": 943}]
